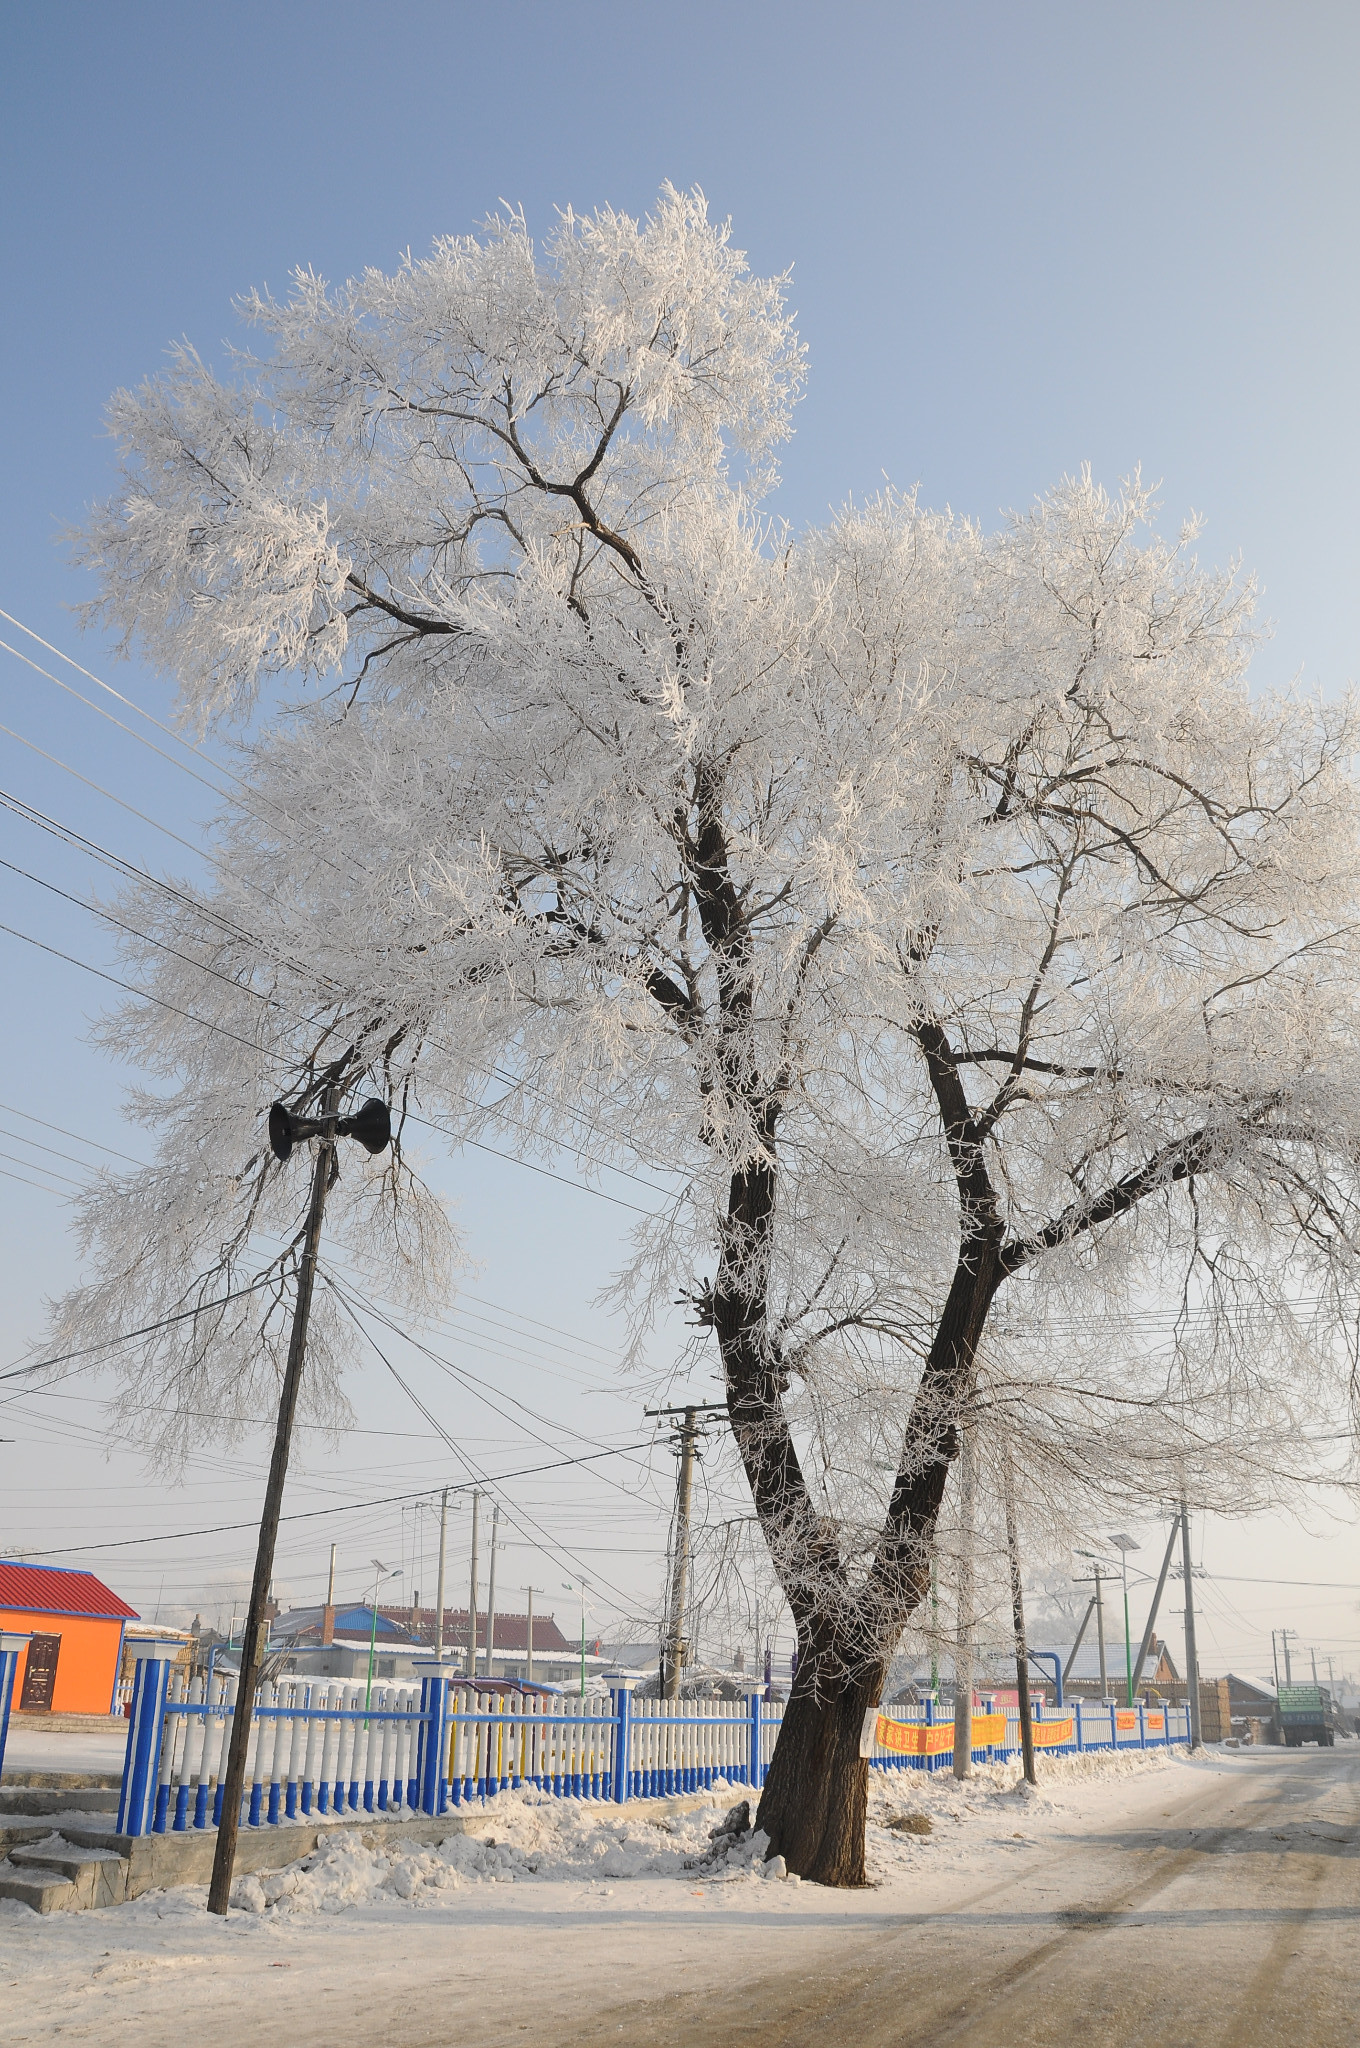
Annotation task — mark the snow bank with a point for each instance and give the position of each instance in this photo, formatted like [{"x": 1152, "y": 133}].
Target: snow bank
[
  {"x": 517, "y": 1838},
  {"x": 527, "y": 1837}
]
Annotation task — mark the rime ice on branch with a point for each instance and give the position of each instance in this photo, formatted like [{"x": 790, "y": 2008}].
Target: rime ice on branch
[{"x": 938, "y": 908}]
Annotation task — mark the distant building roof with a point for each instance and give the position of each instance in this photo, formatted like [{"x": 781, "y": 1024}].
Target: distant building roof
[
  {"x": 52, "y": 1589},
  {"x": 1250, "y": 1692},
  {"x": 1157, "y": 1665},
  {"x": 512, "y": 1630},
  {"x": 353, "y": 1622}
]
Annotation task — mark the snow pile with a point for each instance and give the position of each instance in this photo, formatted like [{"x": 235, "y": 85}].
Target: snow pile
[
  {"x": 517, "y": 1838},
  {"x": 527, "y": 1837}
]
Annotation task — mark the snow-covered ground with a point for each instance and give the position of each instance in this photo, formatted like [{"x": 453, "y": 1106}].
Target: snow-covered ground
[
  {"x": 40, "y": 1749},
  {"x": 578, "y": 1901}
]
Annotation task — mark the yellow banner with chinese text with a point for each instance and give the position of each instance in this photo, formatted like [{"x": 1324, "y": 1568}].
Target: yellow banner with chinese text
[{"x": 917, "y": 1738}]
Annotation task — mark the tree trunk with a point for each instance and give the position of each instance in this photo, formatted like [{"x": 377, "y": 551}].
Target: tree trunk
[{"x": 816, "y": 1796}]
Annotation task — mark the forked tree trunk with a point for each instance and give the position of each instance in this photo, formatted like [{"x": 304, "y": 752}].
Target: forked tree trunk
[{"x": 815, "y": 1799}]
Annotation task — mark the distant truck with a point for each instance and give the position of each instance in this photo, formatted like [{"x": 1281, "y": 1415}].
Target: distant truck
[{"x": 1303, "y": 1713}]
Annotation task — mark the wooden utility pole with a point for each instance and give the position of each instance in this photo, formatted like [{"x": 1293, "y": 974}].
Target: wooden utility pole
[
  {"x": 1018, "y": 1620},
  {"x": 439, "y": 1586},
  {"x": 252, "y": 1648},
  {"x": 963, "y": 1632},
  {"x": 687, "y": 1435}
]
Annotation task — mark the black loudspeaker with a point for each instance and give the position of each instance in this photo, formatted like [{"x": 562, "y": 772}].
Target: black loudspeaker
[{"x": 372, "y": 1126}]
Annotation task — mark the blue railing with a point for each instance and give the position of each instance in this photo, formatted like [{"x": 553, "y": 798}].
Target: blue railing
[{"x": 328, "y": 1748}]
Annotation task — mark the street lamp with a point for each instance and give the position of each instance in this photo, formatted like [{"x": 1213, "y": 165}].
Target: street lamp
[
  {"x": 568, "y": 1586},
  {"x": 372, "y": 1128},
  {"x": 381, "y": 1571}
]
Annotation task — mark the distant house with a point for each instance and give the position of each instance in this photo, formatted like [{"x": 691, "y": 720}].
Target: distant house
[
  {"x": 336, "y": 1642},
  {"x": 1158, "y": 1673},
  {"x": 76, "y": 1628},
  {"x": 1253, "y": 1699},
  {"x": 555, "y": 1656}
]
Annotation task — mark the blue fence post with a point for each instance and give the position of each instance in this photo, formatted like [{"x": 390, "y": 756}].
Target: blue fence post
[
  {"x": 10, "y": 1648},
  {"x": 433, "y": 1741},
  {"x": 1076, "y": 1723},
  {"x": 623, "y": 1739},
  {"x": 753, "y": 1754},
  {"x": 1142, "y": 1725},
  {"x": 142, "y": 1759}
]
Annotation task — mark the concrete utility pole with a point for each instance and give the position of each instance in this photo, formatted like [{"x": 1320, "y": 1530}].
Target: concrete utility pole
[
  {"x": 529, "y": 1657},
  {"x": 472, "y": 1596},
  {"x": 1191, "y": 1652},
  {"x": 439, "y": 1584},
  {"x": 330, "y": 1582},
  {"x": 1275, "y": 1658},
  {"x": 679, "y": 1587},
  {"x": 687, "y": 1436},
  {"x": 963, "y": 1632},
  {"x": 1018, "y": 1620},
  {"x": 491, "y": 1595},
  {"x": 1285, "y": 1634},
  {"x": 372, "y": 1126},
  {"x": 1125, "y": 1544},
  {"x": 1148, "y": 1632}
]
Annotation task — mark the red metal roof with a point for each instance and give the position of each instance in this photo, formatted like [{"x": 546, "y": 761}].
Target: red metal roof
[
  {"x": 512, "y": 1630},
  {"x": 49, "y": 1589}
]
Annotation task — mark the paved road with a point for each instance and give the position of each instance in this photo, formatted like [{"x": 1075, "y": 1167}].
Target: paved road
[{"x": 1233, "y": 1924}]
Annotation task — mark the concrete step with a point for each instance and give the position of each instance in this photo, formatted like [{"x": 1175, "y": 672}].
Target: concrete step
[
  {"x": 98, "y": 1877},
  {"x": 44, "y": 1893}
]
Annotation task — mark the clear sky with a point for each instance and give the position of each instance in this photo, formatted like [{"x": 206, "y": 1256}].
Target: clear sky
[{"x": 1021, "y": 238}]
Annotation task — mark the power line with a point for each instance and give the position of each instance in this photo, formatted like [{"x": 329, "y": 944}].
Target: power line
[
  {"x": 345, "y": 1508},
  {"x": 99, "y": 712},
  {"x": 461, "y": 1373},
  {"x": 31, "y": 815},
  {"x": 43, "y": 1187},
  {"x": 99, "y": 683},
  {"x": 213, "y": 859},
  {"x": 280, "y": 1060},
  {"x": 127, "y": 1336},
  {"x": 555, "y": 1549},
  {"x": 36, "y": 1166}
]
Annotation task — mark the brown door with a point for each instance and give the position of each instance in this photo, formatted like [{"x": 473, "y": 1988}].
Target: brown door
[{"x": 40, "y": 1675}]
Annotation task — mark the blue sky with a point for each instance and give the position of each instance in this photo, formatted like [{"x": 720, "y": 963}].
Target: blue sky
[{"x": 1021, "y": 238}]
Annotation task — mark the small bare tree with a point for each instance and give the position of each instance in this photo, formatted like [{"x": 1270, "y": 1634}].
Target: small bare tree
[{"x": 938, "y": 908}]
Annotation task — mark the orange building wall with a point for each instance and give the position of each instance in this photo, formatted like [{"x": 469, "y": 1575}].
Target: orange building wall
[{"x": 86, "y": 1664}]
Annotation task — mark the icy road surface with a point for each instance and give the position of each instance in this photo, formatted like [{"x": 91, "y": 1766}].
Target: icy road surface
[{"x": 1140, "y": 1900}]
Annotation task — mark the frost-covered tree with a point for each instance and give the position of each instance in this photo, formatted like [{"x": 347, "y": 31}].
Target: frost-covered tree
[{"x": 938, "y": 908}]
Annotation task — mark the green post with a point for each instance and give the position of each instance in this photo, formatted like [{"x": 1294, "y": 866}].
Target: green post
[
  {"x": 1128, "y": 1648},
  {"x": 372, "y": 1653}
]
